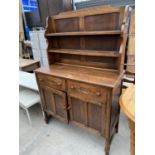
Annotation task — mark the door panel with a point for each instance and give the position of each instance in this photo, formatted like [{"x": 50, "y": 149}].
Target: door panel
[
  {"x": 60, "y": 105},
  {"x": 48, "y": 97},
  {"x": 78, "y": 111},
  {"x": 94, "y": 116},
  {"x": 90, "y": 114},
  {"x": 54, "y": 102}
]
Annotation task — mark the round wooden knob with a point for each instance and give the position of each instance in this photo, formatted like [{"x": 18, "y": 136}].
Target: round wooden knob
[
  {"x": 72, "y": 87},
  {"x": 59, "y": 84},
  {"x": 64, "y": 107},
  {"x": 98, "y": 94},
  {"x": 69, "y": 108}
]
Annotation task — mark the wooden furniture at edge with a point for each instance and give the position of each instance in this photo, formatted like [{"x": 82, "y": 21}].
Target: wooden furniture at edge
[
  {"x": 130, "y": 65},
  {"x": 131, "y": 45},
  {"x": 127, "y": 103},
  {"x": 21, "y": 30},
  {"x": 28, "y": 65},
  {"x": 86, "y": 55}
]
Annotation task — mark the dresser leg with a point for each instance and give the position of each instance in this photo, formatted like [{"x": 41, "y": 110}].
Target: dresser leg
[
  {"x": 107, "y": 147},
  {"x": 46, "y": 117},
  {"x": 117, "y": 127}
]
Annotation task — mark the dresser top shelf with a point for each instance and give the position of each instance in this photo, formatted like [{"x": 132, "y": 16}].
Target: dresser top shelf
[
  {"x": 82, "y": 33},
  {"x": 89, "y": 75}
]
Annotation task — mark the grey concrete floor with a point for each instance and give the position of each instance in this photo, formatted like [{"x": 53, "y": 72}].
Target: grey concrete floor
[{"x": 58, "y": 138}]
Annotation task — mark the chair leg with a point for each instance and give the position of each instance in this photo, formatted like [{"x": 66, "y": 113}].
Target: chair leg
[{"x": 28, "y": 115}]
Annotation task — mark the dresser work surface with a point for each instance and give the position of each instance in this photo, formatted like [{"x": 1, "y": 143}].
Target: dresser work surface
[
  {"x": 88, "y": 75},
  {"x": 82, "y": 84}
]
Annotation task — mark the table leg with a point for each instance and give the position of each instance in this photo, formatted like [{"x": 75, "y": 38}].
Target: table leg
[{"x": 132, "y": 137}]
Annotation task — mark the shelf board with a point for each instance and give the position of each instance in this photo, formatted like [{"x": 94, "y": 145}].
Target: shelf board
[
  {"x": 82, "y": 33},
  {"x": 86, "y": 52}
]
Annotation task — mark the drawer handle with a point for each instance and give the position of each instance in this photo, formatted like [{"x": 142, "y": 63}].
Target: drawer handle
[
  {"x": 84, "y": 90},
  {"x": 69, "y": 108},
  {"x": 72, "y": 87},
  {"x": 64, "y": 107},
  {"x": 98, "y": 94},
  {"x": 59, "y": 84}
]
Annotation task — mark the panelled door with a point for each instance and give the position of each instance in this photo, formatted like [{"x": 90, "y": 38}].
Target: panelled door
[
  {"x": 87, "y": 113},
  {"x": 54, "y": 102}
]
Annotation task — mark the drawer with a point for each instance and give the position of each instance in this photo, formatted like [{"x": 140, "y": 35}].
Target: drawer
[
  {"x": 87, "y": 92},
  {"x": 51, "y": 81}
]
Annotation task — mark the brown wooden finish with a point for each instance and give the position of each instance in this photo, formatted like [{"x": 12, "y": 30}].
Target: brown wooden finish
[
  {"x": 54, "y": 102},
  {"x": 86, "y": 52},
  {"x": 87, "y": 92},
  {"x": 131, "y": 63},
  {"x": 52, "y": 81},
  {"x": 83, "y": 82},
  {"x": 132, "y": 22},
  {"x": 127, "y": 103},
  {"x": 132, "y": 136},
  {"x": 88, "y": 12},
  {"x": 87, "y": 113},
  {"x": 28, "y": 65},
  {"x": 85, "y": 33},
  {"x": 131, "y": 45},
  {"x": 88, "y": 75}
]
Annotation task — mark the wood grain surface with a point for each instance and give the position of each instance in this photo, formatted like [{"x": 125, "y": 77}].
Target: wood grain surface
[{"x": 127, "y": 102}]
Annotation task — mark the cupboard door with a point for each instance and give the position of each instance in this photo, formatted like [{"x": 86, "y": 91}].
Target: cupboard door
[
  {"x": 54, "y": 102},
  {"x": 90, "y": 114}
]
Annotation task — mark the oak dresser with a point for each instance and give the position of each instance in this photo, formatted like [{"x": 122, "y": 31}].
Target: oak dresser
[{"x": 83, "y": 81}]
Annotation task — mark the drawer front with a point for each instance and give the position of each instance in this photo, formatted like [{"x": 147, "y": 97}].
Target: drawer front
[
  {"x": 87, "y": 92},
  {"x": 50, "y": 81}
]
